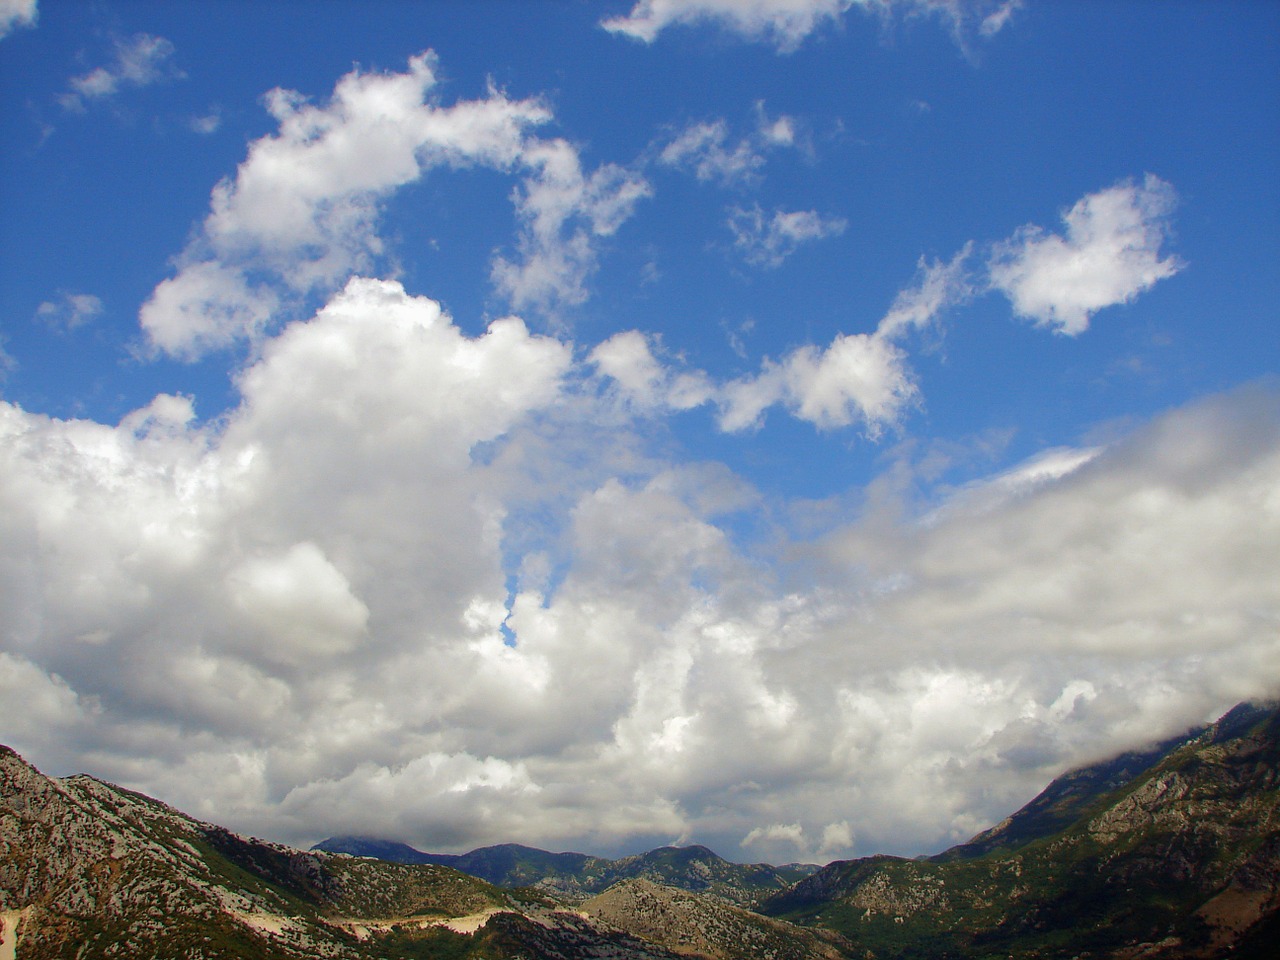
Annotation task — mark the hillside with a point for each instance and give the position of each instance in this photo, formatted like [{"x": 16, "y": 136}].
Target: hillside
[
  {"x": 1171, "y": 853},
  {"x": 88, "y": 870},
  {"x": 576, "y": 876},
  {"x": 706, "y": 926}
]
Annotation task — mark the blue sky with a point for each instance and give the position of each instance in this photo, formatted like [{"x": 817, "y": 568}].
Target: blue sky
[{"x": 606, "y": 424}]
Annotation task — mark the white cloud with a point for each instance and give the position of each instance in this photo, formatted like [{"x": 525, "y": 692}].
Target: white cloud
[
  {"x": 301, "y": 213},
  {"x": 17, "y": 13},
  {"x": 642, "y": 381},
  {"x": 859, "y": 378},
  {"x": 1110, "y": 254},
  {"x": 207, "y": 305},
  {"x": 786, "y": 23},
  {"x": 767, "y": 241},
  {"x": 777, "y": 132},
  {"x": 70, "y": 310},
  {"x": 557, "y": 257},
  {"x": 207, "y": 123},
  {"x": 939, "y": 287},
  {"x": 139, "y": 61},
  {"x": 290, "y": 620},
  {"x": 703, "y": 147},
  {"x": 999, "y": 18}
]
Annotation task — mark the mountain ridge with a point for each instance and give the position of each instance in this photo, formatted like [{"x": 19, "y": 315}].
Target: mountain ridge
[
  {"x": 578, "y": 876},
  {"x": 1169, "y": 853}
]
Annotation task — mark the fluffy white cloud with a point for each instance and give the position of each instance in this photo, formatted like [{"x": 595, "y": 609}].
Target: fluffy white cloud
[
  {"x": 206, "y": 306},
  {"x": 767, "y": 241},
  {"x": 859, "y": 378},
  {"x": 17, "y": 13},
  {"x": 301, "y": 213},
  {"x": 139, "y": 61},
  {"x": 1110, "y": 254},
  {"x": 293, "y": 620},
  {"x": 643, "y": 381}
]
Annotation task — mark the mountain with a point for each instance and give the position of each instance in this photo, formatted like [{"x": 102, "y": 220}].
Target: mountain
[
  {"x": 706, "y": 926},
  {"x": 91, "y": 871},
  {"x": 576, "y": 876},
  {"x": 1172, "y": 852},
  {"x": 1167, "y": 853}
]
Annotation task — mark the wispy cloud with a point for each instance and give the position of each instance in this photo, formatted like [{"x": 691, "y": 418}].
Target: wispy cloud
[
  {"x": 785, "y": 23},
  {"x": 139, "y": 61},
  {"x": 17, "y": 13},
  {"x": 704, "y": 148},
  {"x": 788, "y": 23},
  {"x": 70, "y": 310},
  {"x": 767, "y": 241}
]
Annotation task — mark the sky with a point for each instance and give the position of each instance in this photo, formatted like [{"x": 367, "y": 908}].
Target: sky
[{"x": 801, "y": 427}]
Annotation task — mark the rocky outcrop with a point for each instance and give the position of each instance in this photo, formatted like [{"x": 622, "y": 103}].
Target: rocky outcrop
[{"x": 91, "y": 871}]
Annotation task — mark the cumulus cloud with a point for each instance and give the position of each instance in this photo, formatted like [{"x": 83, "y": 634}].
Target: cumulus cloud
[
  {"x": 1110, "y": 253},
  {"x": 139, "y": 61},
  {"x": 301, "y": 213},
  {"x": 327, "y": 611},
  {"x": 17, "y": 13},
  {"x": 858, "y": 378},
  {"x": 643, "y": 381},
  {"x": 766, "y": 241}
]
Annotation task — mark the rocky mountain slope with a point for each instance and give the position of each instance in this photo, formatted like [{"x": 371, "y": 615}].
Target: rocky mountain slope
[
  {"x": 706, "y": 926},
  {"x": 1170, "y": 853},
  {"x": 90, "y": 871},
  {"x": 576, "y": 876}
]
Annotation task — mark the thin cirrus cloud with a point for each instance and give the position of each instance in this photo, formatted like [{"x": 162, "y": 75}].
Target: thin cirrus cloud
[
  {"x": 788, "y": 23},
  {"x": 70, "y": 310},
  {"x": 303, "y": 207},
  {"x": 785, "y": 23},
  {"x": 138, "y": 61}
]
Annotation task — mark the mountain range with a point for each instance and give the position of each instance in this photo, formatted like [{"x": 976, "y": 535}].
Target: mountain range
[
  {"x": 1170, "y": 852},
  {"x": 574, "y": 877}
]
